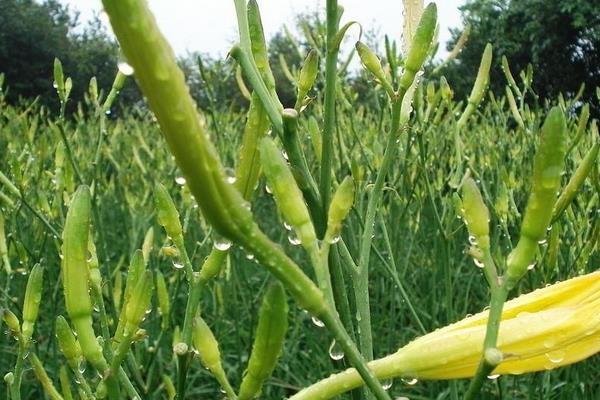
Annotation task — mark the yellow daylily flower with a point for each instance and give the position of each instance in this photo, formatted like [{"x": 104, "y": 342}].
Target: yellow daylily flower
[{"x": 551, "y": 327}]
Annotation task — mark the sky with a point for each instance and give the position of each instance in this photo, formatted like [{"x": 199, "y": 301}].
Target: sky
[{"x": 209, "y": 26}]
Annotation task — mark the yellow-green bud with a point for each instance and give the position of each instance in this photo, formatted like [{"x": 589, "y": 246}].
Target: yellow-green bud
[
  {"x": 369, "y": 59},
  {"x": 139, "y": 303},
  {"x": 164, "y": 304},
  {"x": 207, "y": 346},
  {"x": 419, "y": 48},
  {"x": 59, "y": 79},
  {"x": 167, "y": 214},
  {"x": 547, "y": 170},
  {"x": 67, "y": 343},
  {"x": 481, "y": 82},
  {"x": 447, "y": 92},
  {"x": 476, "y": 214},
  {"x": 268, "y": 342},
  {"x": 340, "y": 207},
  {"x": 287, "y": 194},
  {"x": 308, "y": 73},
  {"x": 148, "y": 244},
  {"x": 169, "y": 387},
  {"x": 31, "y": 304},
  {"x": 576, "y": 181},
  {"x": 12, "y": 321},
  {"x": 169, "y": 251},
  {"x": 93, "y": 89}
]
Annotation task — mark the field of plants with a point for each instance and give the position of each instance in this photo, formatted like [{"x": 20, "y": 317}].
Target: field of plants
[{"x": 163, "y": 251}]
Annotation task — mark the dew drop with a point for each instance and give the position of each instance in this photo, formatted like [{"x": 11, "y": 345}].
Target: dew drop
[
  {"x": 177, "y": 265},
  {"x": 287, "y": 226},
  {"x": 335, "y": 239},
  {"x": 180, "y": 180},
  {"x": 222, "y": 244},
  {"x": 556, "y": 356},
  {"x": 249, "y": 256},
  {"x": 386, "y": 385},
  {"x": 531, "y": 266},
  {"x": 472, "y": 240},
  {"x": 478, "y": 263},
  {"x": 410, "y": 381},
  {"x": 268, "y": 189},
  {"x": 493, "y": 377},
  {"x": 318, "y": 323},
  {"x": 294, "y": 240},
  {"x": 335, "y": 351}
]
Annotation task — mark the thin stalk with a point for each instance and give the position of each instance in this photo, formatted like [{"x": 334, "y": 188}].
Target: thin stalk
[
  {"x": 361, "y": 277},
  {"x": 499, "y": 293},
  {"x": 329, "y": 106},
  {"x": 354, "y": 356},
  {"x": 15, "y": 388},
  {"x": 485, "y": 368}
]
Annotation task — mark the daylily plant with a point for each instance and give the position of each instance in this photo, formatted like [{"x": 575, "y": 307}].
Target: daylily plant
[{"x": 551, "y": 327}]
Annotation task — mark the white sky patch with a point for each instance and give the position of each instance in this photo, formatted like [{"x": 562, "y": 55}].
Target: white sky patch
[{"x": 209, "y": 26}]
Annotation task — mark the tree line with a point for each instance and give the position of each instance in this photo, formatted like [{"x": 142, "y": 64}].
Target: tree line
[{"x": 560, "y": 40}]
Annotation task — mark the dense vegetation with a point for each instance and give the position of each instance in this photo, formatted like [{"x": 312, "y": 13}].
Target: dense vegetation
[{"x": 422, "y": 270}]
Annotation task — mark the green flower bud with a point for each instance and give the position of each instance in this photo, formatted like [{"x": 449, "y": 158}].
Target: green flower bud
[
  {"x": 59, "y": 79},
  {"x": 3, "y": 247},
  {"x": 169, "y": 251},
  {"x": 148, "y": 244},
  {"x": 93, "y": 89},
  {"x": 308, "y": 73},
  {"x": 12, "y": 321},
  {"x": 340, "y": 207},
  {"x": 208, "y": 350},
  {"x": 287, "y": 194},
  {"x": 31, "y": 304},
  {"x": 576, "y": 181},
  {"x": 447, "y": 92},
  {"x": 547, "y": 170},
  {"x": 212, "y": 265},
  {"x": 169, "y": 387},
  {"x": 509, "y": 77},
  {"x": 76, "y": 275},
  {"x": 68, "y": 87},
  {"x": 164, "y": 305},
  {"x": 315, "y": 137},
  {"x": 138, "y": 304},
  {"x": 513, "y": 107},
  {"x": 9, "y": 378},
  {"x": 268, "y": 342},
  {"x": 259, "y": 45},
  {"x": 373, "y": 64},
  {"x": 481, "y": 82},
  {"x": 67, "y": 343},
  {"x": 167, "y": 214},
  {"x": 420, "y": 46},
  {"x": 476, "y": 214}
]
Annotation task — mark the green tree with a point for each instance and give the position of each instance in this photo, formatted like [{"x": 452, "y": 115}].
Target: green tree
[
  {"x": 560, "y": 39},
  {"x": 31, "y": 35}
]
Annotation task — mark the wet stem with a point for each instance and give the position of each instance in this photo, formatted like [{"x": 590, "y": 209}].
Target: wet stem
[
  {"x": 499, "y": 293},
  {"x": 15, "y": 387}
]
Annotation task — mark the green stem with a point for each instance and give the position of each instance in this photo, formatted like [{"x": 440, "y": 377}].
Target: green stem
[
  {"x": 354, "y": 356},
  {"x": 329, "y": 106},
  {"x": 253, "y": 75},
  {"x": 499, "y": 295},
  {"x": 15, "y": 388},
  {"x": 361, "y": 277}
]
